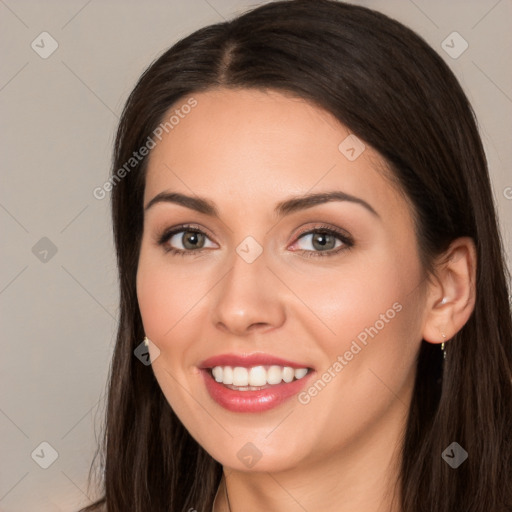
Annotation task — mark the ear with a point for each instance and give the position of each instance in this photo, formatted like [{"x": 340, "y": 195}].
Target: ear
[{"x": 451, "y": 293}]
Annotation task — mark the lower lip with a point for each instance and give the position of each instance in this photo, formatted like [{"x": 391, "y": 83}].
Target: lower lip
[{"x": 253, "y": 401}]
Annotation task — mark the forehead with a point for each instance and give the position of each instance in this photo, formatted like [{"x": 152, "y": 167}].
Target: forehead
[{"x": 262, "y": 146}]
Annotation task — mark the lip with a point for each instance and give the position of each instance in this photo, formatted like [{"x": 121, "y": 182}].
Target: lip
[
  {"x": 248, "y": 360},
  {"x": 255, "y": 401}
]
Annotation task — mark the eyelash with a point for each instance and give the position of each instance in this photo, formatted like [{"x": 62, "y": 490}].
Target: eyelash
[{"x": 324, "y": 230}]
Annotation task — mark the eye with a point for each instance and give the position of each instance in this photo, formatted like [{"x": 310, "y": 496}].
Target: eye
[
  {"x": 184, "y": 240},
  {"x": 189, "y": 240},
  {"x": 325, "y": 241}
]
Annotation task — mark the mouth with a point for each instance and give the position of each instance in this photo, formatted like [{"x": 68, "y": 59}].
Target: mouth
[
  {"x": 255, "y": 378},
  {"x": 254, "y": 383}
]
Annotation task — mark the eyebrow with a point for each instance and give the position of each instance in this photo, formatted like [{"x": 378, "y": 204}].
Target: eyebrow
[{"x": 283, "y": 208}]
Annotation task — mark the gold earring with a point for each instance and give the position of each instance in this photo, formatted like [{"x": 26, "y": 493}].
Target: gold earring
[{"x": 146, "y": 341}]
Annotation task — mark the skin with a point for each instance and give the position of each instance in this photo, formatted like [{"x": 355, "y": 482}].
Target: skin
[{"x": 247, "y": 150}]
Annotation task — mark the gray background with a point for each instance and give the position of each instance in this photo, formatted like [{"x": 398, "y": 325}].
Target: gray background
[{"x": 58, "y": 120}]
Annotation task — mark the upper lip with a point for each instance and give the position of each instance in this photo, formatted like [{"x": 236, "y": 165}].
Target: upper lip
[{"x": 248, "y": 360}]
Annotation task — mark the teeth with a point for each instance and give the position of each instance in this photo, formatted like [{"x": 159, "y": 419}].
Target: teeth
[
  {"x": 256, "y": 376},
  {"x": 217, "y": 373},
  {"x": 227, "y": 374},
  {"x": 240, "y": 376},
  {"x": 301, "y": 372},
  {"x": 274, "y": 374},
  {"x": 288, "y": 374}
]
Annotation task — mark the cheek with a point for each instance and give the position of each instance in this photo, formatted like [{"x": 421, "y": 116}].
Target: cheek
[
  {"x": 150, "y": 285},
  {"x": 166, "y": 300},
  {"x": 371, "y": 320},
  {"x": 363, "y": 290},
  {"x": 369, "y": 359},
  {"x": 379, "y": 325},
  {"x": 167, "y": 295}
]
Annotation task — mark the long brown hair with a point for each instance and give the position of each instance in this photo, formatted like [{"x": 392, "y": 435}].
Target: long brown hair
[{"x": 394, "y": 92}]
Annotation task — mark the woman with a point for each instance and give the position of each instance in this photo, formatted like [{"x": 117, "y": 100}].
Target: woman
[{"x": 308, "y": 246}]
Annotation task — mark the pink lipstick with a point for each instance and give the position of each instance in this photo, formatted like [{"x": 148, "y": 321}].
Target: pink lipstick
[{"x": 253, "y": 382}]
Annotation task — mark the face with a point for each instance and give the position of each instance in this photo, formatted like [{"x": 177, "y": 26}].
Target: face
[{"x": 331, "y": 286}]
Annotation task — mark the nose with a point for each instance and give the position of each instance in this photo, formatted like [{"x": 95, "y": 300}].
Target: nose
[{"x": 248, "y": 298}]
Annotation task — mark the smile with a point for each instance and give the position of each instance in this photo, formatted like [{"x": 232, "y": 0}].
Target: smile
[{"x": 256, "y": 377}]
